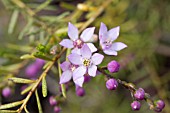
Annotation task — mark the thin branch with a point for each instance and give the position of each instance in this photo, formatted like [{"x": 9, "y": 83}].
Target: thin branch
[{"x": 39, "y": 80}]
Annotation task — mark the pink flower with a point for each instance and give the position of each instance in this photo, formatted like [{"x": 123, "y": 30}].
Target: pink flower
[
  {"x": 107, "y": 38},
  {"x": 86, "y": 62},
  {"x": 76, "y": 42}
]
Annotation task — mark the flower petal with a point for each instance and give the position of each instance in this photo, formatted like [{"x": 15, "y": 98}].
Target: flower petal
[
  {"x": 65, "y": 65},
  {"x": 97, "y": 58},
  {"x": 92, "y": 70},
  {"x": 79, "y": 81},
  {"x": 114, "y": 33},
  {"x": 117, "y": 46},
  {"x": 102, "y": 30},
  {"x": 75, "y": 59},
  {"x": 72, "y": 32},
  {"x": 79, "y": 72},
  {"x": 92, "y": 47},
  {"x": 85, "y": 51},
  {"x": 87, "y": 34},
  {"x": 67, "y": 43},
  {"x": 65, "y": 77},
  {"x": 76, "y": 50},
  {"x": 110, "y": 52}
]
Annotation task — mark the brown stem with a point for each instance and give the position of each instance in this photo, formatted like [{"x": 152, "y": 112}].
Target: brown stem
[
  {"x": 39, "y": 80},
  {"x": 131, "y": 87}
]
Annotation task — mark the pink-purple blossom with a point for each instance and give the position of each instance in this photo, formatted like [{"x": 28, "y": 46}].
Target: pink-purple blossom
[
  {"x": 68, "y": 73},
  {"x": 87, "y": 63},
  {"x": 107, "y": 39},
  {"x": 77, "y": 42}
]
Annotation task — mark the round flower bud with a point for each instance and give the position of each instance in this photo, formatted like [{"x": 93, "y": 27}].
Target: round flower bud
[
  {"x": 111, "y": 84},
  {"x": 135, "y": 105},
  {"x": 113, "y": 66},
  {"x": 87, "y": 78},
  {"x": 57, "y": 109},
  {"x": 52, "y": 101},
  {"x": 6, "y": 92},
  {"x": 140, "y": 94},
  {"x": 160, "y": 105},
  {"x": 80, "y": 91}
]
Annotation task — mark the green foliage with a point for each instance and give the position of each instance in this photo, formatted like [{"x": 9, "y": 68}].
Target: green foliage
[
  {"x": 44, "y": 87},
  {"x": 11, "y": 105},
  {"x": 144, "y": 28}
]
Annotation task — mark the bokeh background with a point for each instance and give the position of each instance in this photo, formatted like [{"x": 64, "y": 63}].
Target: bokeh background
[{"x": 145, "y": 28}]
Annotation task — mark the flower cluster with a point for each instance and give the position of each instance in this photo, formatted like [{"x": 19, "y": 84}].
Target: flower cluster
[{"x": 84, "y": 59}]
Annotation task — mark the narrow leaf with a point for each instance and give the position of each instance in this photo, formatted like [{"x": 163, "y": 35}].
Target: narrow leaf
[
  {"x": 42, "y": 6},
  {"x": 41, "y": 56},
  {"x": 26, "y": 29},
  {"x": 63, "y": 89},
  {"x": 21, "y": 80},
  {"x": 27, "y": 56},
  {"x": 11, "y": 105},
  {"x": 27, "y": 89},
  {"x": 44, "y": 87},
  {"x": 38, "y": 102},
  {"x": 8, "y": 111},
  {"x": 13, "y": 21},
  {"x": 25, "y": 108}
]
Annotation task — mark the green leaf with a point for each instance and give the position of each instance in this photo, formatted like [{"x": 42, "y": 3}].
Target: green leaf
[
  {"x": 11, "y": 68},
  {"x": 21, "y": 80},
  {"x": 26, "y": 29},
  {"x": 25, "y": 108},
  {"x": 11, "y": 105},
  {"x": 44, "y": 87},
  {"x": 47, "y": 64},
  {"x": 13, "y": 21},
  {"x": 41, "y": 48},
  {"x": 42, "y": 56},
  {"x": 42, "y": 6},
  {"x": 63, "y": 89},
  {"x": 27, "y": 89},
  {"x": 27, "y": 56},
  {"x": 8, "y": 111},
  {"x": 38, "y": 102}
]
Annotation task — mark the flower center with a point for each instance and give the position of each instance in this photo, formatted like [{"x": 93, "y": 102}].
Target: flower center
[
  {"x": 78, "y": 43},
  {"x": 107, "y": 43},
  {"x": 72, "y": 67},
  {"x": 86, "y": 62}
]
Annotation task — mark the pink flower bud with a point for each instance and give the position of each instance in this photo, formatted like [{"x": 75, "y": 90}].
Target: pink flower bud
[
  {"x": 6, "y": 92},
  {"x": 52, "y": 101},
  {"x": 57, "y": 109},
  {"x": 80, "y": 91},
  {"x": 111, "y": 84},
  {"x": 140, "y": 94},
  {"x": 135, "y": 105},
  {"x": 113, "y": 66}
]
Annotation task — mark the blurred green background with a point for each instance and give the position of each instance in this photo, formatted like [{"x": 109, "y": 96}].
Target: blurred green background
[{"x": 145, "y": 28}]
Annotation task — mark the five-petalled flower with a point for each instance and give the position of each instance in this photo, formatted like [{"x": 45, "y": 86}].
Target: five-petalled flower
[
  {"x": 107, "y": 38},
  {"x": 76, "y": 42},
  {"x": 69, "y": 72},
  {"x": 87, "y": 63}
]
